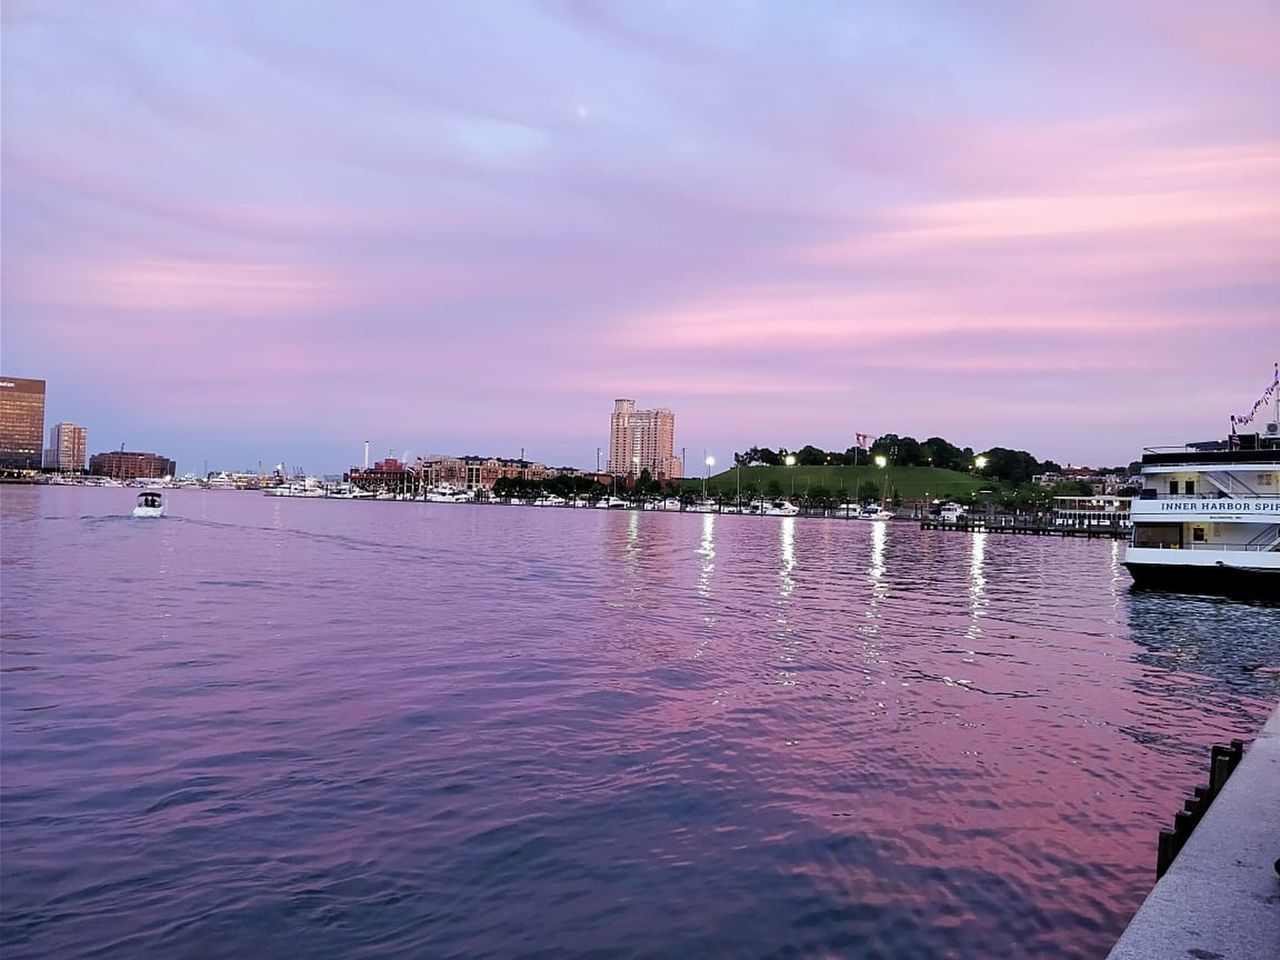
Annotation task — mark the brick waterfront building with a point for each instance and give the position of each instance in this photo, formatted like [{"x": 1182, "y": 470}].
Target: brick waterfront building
[{"x": 130, "y": 465}]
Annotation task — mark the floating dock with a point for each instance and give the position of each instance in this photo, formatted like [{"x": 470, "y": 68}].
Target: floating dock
[
  {"x": 1220, "y": 896},
  {"x": 1030, "y": 530}
]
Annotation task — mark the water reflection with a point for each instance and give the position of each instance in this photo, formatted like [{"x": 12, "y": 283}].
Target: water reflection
[
  {"x": 977, "y": 582},
  {"x": 787, "y": 545},
  {"x": 1119, "y": 575},
  {"x": 707, "y": 550},
  {"x": 879, "y": 536},
  {"x": 786, "y": 586},
  {"x": 877, "y": 567}
]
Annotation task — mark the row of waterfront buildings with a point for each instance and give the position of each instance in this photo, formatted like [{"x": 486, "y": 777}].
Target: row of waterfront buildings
[
  {"x": 639, "y": 440},
  {"x": 22, "y": 446},
  {"x": 464, "y": 473}
]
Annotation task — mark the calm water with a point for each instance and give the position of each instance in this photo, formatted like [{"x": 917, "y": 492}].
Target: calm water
[{"x": 330, "y": 729}]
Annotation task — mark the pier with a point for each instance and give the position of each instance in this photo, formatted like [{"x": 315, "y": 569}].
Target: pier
[
  {"x": 1220, "y": 896},
  {"x": 1027, "y": 529}
]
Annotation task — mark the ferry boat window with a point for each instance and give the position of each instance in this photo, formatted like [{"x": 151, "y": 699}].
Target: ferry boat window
[
  {"x": 1197, "y": 534},
  {"x": 1189, "y": 487},
  {"x": 1173, "y": 488},
  {"x": 1157, "y": 535}
]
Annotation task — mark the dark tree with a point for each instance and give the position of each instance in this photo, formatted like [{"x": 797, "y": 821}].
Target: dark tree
[
  {"x": 1010, "y": 466},
  {"x": 940, "y": 453},
  {"x": 811, "y": 456},
  {"x": 901, "y": 451}
]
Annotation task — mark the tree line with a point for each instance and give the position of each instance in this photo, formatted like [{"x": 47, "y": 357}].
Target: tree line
[{"x": 1013, "y": 467}]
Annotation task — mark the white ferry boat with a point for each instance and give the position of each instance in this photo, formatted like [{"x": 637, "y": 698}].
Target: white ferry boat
[{"x": 1208, "y": 517}]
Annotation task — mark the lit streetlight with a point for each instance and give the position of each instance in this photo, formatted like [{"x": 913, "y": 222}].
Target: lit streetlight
[
  {"x": 980, "y": 462},
  {"x": 711, "y": 462},
  {"x": 882, "y": 462},
  {"x": 790, "y": 461}
]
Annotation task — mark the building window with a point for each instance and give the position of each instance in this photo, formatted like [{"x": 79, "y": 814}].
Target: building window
[
  {"x": 1197, "y": 534},
  {"x": 1189, "y": 487},
  {"x": 1173, "y": 488}
]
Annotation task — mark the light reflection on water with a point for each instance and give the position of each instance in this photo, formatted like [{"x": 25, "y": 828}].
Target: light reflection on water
[{"x": 275, "y": 727}]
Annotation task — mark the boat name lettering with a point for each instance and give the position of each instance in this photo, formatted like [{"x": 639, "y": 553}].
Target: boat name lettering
[{"x": 1218, "y": 506}]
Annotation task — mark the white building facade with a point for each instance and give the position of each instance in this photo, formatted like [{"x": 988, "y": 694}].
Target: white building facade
[{"x": 68, "y": 447}]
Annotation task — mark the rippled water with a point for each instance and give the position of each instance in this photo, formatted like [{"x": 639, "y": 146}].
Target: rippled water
[{"x": 331, "y": 729}]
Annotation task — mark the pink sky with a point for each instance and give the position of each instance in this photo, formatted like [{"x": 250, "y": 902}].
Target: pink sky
[{"x": 243, "y": 232}]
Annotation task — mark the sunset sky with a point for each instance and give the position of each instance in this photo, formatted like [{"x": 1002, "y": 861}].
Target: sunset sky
[{"x": 270, "y": 230}]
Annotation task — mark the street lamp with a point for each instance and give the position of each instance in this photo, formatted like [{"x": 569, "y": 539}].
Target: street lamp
[
  {"x": 881, "y": 462},
  {"x": 711, "y": 462},
  {"x": 790, "y": 461},
  {"x": 980, "y": 462}
]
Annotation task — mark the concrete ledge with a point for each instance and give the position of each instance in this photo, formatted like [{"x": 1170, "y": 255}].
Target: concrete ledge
[{"x": 1221, "y": 898}]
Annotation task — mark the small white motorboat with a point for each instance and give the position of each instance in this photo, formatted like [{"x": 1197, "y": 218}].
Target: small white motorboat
[
  {"x": 780, "y": 508},
  {"x": 874, "y": 512},
  {"x": 150, "y": 504}
]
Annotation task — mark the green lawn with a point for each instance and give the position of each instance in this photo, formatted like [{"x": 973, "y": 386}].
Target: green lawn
[{"x": 912, "y": 483}]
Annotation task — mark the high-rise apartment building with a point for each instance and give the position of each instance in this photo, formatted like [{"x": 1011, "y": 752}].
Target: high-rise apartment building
[
  {"x": 68, "y": 446},
  {"x": 643, "y": 440},
  {"x": 21, "y": 423}
]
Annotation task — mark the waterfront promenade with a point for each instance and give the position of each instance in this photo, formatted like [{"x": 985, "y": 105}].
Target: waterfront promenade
[{"x": 1220, "y": 900}]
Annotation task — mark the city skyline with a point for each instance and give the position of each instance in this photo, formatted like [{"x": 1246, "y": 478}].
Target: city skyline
[{"x": 243, "y": 233}]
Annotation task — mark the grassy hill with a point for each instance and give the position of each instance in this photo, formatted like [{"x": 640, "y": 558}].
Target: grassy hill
[{"x": 911, "y": 483}]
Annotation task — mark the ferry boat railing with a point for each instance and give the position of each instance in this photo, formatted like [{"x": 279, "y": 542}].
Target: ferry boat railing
[
  {"x": 1233, "y": 547},
  {"x": 1214, "y": 495}
]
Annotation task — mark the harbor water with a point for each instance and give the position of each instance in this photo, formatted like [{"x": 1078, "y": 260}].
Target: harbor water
[{"x": 279, "y": 728}]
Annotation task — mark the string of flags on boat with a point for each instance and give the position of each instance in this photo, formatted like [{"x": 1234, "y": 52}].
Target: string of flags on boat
[{"x": 1262, "y": 402}]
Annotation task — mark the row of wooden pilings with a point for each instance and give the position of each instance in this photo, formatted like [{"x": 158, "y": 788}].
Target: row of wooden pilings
[{"x": 1222, "y": 762}]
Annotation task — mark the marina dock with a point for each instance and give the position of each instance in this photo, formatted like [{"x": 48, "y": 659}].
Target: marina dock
[
  {"x": 1220, "y": 898},
  {"x": 1030, "y": 530}
]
